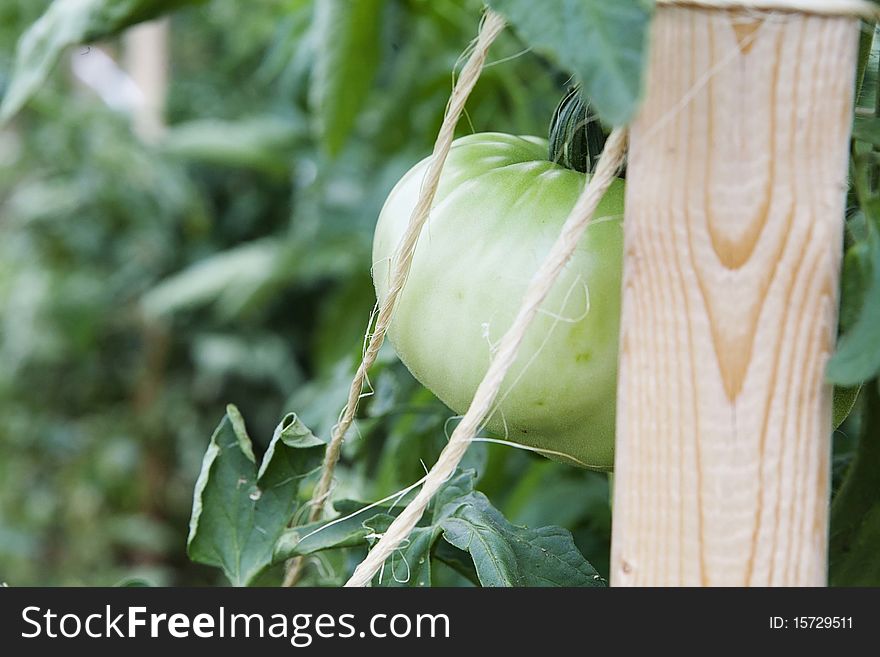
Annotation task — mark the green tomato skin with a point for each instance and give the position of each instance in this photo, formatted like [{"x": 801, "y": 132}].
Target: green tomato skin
[{"x": 499, "y": 207}]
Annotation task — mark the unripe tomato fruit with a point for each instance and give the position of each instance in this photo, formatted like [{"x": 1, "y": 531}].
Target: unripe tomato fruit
[{"x": 499, "y": 208}]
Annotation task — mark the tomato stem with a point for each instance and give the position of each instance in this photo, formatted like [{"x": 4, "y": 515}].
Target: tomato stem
[{"x": 576, "y": 135}]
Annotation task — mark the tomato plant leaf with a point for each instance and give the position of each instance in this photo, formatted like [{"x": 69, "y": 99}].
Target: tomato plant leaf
[
  {"x": 240, "y": 509},
  {"x": 68, "y": 23},
  {"x": 508, "y": 555},
  {"x": 603, "y": 43},
  {"x": 479, "y": 542},
  {"x": 858, "y": 351},
  {"x": 410, "y": 565},
  {"x": 855, "y": 511},
  {"x": 349, "y": 530},
  {"x": 346, "y": 59}
]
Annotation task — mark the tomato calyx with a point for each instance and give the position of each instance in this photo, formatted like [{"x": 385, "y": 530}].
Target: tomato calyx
[{"x": 576, "y": 135}]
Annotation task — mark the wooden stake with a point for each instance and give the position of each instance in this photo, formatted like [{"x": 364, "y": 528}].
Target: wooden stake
[
  {"x": 734, "y": 217},
  {"x": 147, "y": 56}
]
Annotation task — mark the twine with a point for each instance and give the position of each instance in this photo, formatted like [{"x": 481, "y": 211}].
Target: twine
[
  {"x": 490, "y": 27},
  {"x": 539, "y": 287}
]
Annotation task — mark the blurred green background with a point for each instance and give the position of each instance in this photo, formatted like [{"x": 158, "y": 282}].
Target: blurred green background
[{"x": 185, "y": 222}]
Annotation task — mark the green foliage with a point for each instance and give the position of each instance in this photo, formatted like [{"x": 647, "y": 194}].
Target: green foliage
[
  {"x": 603, "y": 43},
  {"x": 867, "y": 129},
  {"x": 263, "y": 144},
  {"x": 855, "y": 513},
  {"x": 410, "y": 565},
  {"x": 866, "y": 41},
  {"x": 347, "y": 53},
  {"x": 855, "y": 509},
  {"x": 479, "y": 542},
  {"x": 843, "y": 402},
  {"x": 240, "y": 509},
  {"x": 68, "y": 23},
  {"x": 858, "y": 353},
  {"x": 145, "y": 286},
  {"x": 230, "y": 278},
  {"x": 95, "y": 433},
  {"x": 348, "y": 530},
  {"x": 857, "y": 358},
  {"x": 507, "y": 555}
]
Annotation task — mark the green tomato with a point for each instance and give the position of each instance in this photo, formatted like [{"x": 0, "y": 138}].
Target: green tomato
[{"x": 499, "y": 208}]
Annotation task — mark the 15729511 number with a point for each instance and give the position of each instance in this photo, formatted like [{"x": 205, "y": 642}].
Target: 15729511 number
[{"x": 822, "y": 622}]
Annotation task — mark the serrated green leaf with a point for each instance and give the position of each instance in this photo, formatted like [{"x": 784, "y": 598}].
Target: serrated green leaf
[
  {"x": 507, "y": 555},
  {"x": 347, "y": 39},
  {"x": 855, "y": 512},
  {"x": 68, "y": 23},
  {"x": 603, "y": 43},
  {"x": 857, "y": 358},
  {"x": 240, "y": 510}
]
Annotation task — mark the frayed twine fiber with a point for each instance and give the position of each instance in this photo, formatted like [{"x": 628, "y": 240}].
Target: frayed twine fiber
[{"x": 539, "y": 287}]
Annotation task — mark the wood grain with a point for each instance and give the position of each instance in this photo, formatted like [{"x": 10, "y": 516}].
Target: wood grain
[{"x": 734, "y": 216}]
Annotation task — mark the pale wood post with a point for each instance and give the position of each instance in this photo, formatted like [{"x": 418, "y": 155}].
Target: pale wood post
[
  {"x": 734, "y": 217},
  {"x": 147, "y": 58}
]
